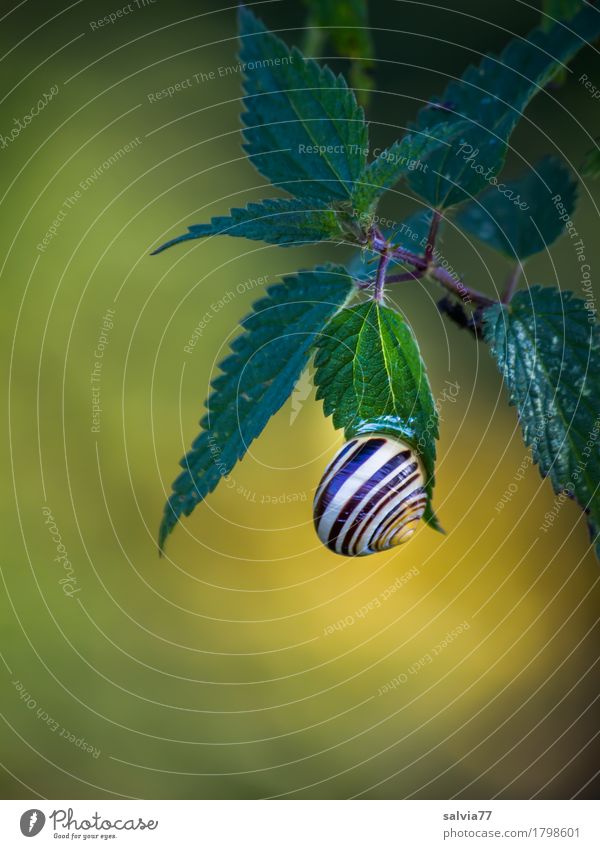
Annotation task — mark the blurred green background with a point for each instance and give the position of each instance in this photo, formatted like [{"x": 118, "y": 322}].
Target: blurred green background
[{"x": 217, "y": 671}]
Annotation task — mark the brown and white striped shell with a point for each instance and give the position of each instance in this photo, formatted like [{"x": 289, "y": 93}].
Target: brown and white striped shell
[{"x": 371, "y": 496}]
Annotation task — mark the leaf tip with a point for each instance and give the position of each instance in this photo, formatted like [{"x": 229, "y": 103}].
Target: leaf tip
[
  {"x": 163, "y": 533},
  {"x": 431, "y": 519},
  {"x": 247, "y": 20},
  {"x": 169, "y": 520},
  {"x": 189, "y": 235}
]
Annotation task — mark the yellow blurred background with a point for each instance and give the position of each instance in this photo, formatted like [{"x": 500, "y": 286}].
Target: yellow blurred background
[{"x": 249, "y": 661}]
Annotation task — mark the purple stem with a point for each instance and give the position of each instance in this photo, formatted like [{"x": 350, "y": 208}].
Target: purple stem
[
  {"x": 407, "y": 275},
  {"x": 433, "y": 229},
  {"x": 424, "y": 265},
  {"x": 458, "y": 288},
  {"x": 384, "y": 261},
  {"x": 379, "y": 243},
  {"x": 512, "y": 283},
  {"x": 410, "y": 258}
]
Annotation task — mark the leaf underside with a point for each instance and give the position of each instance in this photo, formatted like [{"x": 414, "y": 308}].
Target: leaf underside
[
  {"x": 371, "y": 377},
  {"x": 256, "y": 379},
  {"x": 547, "y": 345}
]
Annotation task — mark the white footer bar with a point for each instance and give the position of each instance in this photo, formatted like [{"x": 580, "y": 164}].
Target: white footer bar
[{"x": 302, "y": 824}]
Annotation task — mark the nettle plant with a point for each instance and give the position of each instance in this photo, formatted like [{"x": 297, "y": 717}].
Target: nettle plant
[{"x": 305, "y": 132}]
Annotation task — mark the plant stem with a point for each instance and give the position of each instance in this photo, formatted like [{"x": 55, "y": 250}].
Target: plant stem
[
  {"x": 452, "y": 284},
  {"x": 424, "y": 265},
  {"x": 406, "y": 275},
  {"x": 314, "y": 39},
  {"x": 458, "y": 288},
  {"x": 379, "y": 243},
  {"x": 409, "y": 257},
  {"x": 433, "y": 230},
  {"x": 512, "y": 283},
  {"x": 384, "y": 261}
]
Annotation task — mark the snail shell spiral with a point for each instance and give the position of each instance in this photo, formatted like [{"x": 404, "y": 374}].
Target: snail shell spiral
[{"x": 371, "y": 496}]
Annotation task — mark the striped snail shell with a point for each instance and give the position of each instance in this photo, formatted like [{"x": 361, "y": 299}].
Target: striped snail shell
[{"x": 371, "y": 496}]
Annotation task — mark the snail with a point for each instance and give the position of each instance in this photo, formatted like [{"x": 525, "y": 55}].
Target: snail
[{"x": 371, "y": 496}]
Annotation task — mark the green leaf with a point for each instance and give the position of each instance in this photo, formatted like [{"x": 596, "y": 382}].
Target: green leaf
[
  {"x": 591, "y": 163},
  {"x": 519, "y": 217},
  {"x": 461, "y": 168},
  {"x": 547, "y": 345},
  {"x": 281, "y": 221},
  {"x": 493, "y": 96},
  {"x": 561, "y": 10},
  {"x": 400, "y": 160},
  {"x": 346, "y": 24},
  {"x": 371, "y": 377},
  {"x": 257, "y": 377},
  {"x": 304, "y": 130}
]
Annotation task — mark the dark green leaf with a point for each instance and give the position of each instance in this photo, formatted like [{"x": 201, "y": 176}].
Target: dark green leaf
[
  {"x": 519, "y": 217},
  {"x": 460, "y": 170},
  {"x": 561, "y": 10},
  {"x": 400, "y": 160},
  {"x": 280, "y": 221},
  {"x": 304, "y": 129},
  {"x": 591, "y": 164},
  {"x": 346, "y": 24},
  {"x": 547, "y": 345},
  {"x": 257, "y": 378},
  {"x": 371, "y": 377},
  {"x": 493, "y": 97}
]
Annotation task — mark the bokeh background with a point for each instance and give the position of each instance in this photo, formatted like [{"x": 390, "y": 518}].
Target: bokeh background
[{"x": 249, "y": 661}]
